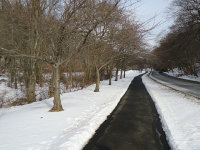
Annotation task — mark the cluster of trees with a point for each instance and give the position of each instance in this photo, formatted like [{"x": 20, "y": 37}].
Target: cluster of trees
[
  {"x": 91, "y": 36},
  {"x": 181, "y": 46}
]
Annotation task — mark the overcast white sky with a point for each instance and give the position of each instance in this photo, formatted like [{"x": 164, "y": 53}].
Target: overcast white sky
[{"x": 146, "y": 9}]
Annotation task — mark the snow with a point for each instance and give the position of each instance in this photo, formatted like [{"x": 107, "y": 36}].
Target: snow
[
  {"x": 8, "y": 95},
  {"x": 32, "y": 127},
  {"x": 12, "y": 97},
  {"x": 179, "y": 115},
  {"x": 180, "y": 74}
]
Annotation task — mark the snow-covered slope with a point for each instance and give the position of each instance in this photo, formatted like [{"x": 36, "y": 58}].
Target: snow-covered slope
[
  {"x": 32, "y": 127},
  {"x": 179, "y": 115},
  {"x": 180, "y": 74}
]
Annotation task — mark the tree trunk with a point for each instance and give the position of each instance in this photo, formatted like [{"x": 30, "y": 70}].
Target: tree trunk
[
  {"x": 71, "y": 79},
  {"x": 67, "y": 81},
  {"x": 75, "y": 76},
  {"x": 57, "y": 101},
  {"x": 12, "y": 78},
  {"x": 31, "y": 88},
  {"x": 9, "y": 82},
  {"x": 83, "y": 81},
  {"x": 121, "y": 74},
  {"x": 116, "y": 75},
  {"x": 16, "y": 81},
  {"x": 51, "y": 86},
  {"x": 12, "y": 71},
  {"x": 97, "y": 80},
  {"x": 124, "y": 72},
  {"x": 15, "y": 75},
  {"x": 110, "y": 74}
]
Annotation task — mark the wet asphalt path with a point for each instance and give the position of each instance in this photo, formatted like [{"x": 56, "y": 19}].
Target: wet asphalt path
[
  {"x": 185, "y": 86},
  {"x": 133, "y": 125}
]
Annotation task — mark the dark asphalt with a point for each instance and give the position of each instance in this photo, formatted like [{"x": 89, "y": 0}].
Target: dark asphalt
[
  {"x": 185, "y": 86},
  {"x": 133, "y": 125}
]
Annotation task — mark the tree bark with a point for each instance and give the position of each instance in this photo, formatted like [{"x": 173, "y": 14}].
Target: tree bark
[
  {"x": 16, "y": 77},
  {"x": 12, "y": 79},
  {"x": 71, "y": 79},
  {"x": 110, "y": 74},
  {"x": 67, "y": 80},
  {"x": 51, "y": 85},
  {"x": 83, "y": 82},
  {"x": 121, "y": 73},
  {"x": 117, "y": 70},
  {"x": 97, "y": 80},
  {"x": 124, "y": 72},
  {"x": 31, "y": 88},
  {"x": 57, "y": 101},
  {"x": 12, "y": 65}
]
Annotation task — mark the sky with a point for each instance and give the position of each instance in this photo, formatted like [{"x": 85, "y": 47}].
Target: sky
[{"x": 146, "y": 9}]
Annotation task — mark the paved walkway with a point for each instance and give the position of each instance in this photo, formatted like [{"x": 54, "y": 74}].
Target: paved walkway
[{"x": 132, "y": 125}]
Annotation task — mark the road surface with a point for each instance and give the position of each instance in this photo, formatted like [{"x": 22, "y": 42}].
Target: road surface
[{"x": 186, "y": 86}]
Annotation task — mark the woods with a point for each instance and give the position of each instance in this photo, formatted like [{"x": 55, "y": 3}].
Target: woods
[
  {"x": 179, "y": 48},
  {"x": 75, "y": 71},
  {"x": 61, "y": 38}
]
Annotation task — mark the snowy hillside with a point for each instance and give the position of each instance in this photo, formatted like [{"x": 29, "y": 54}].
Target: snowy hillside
[{"x": 180, "y": 74}]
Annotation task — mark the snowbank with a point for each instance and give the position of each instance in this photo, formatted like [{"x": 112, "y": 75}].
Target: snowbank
[
  {"x": 180, "y": 74},
  {"x": 179, "y": 115},
  {"x": 32, "y": 127}
]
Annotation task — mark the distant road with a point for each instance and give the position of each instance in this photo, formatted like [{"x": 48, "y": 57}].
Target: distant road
[{"x": 186, "y": 86}]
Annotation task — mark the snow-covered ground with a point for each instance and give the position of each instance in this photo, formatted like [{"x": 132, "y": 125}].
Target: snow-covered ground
[
  {"x": 8, "y": 95},
  {"x": 12, "y": 97},
  {"x": 179, "y": 115},
  {"x": 180, "y": 74},
  {"x": 32, "y": 127}
]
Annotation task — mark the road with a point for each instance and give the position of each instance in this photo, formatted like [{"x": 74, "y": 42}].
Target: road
[
  {"x": 133, "y": 125},
  {"x": 186, "y": 86}
]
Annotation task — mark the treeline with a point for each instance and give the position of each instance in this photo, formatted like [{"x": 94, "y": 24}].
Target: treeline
[
  {"x": 57, "y": 36},
  {"x": 180, "y": 48}
]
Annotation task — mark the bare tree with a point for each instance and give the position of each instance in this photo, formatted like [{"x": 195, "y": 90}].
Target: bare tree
[{"x": 57, "y": 31}]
